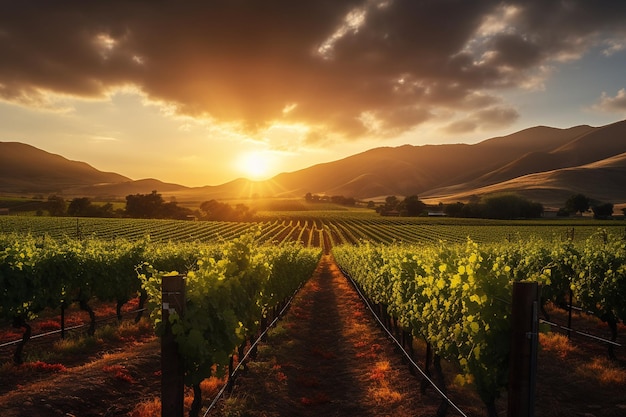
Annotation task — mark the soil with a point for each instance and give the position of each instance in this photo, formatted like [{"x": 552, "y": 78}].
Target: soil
[
  {"x": 327, "y": 356},
  {"x": 109, "y": 384},
  {"x": 106, "y": 377}
]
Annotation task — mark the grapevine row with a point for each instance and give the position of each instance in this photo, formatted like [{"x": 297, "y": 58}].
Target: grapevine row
[
  {"x": 229, "y": 298},
  {"x": 457, "y": 297},
  {"x": 338, "y": 229}
]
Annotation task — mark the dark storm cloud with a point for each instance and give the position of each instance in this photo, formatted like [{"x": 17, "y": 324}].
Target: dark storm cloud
[{"x": 349, "y": 67}]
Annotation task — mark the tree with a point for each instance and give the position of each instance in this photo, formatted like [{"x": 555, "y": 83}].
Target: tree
[
  {"x": 106, "y": 210},
  {"x": 214, "y": 210},
  {"x": 563, "y": 212},
  {"x": 602, "y": 210},
  {"x": 79, "y": 207},
  {"x": 152, "y": 206},
  {"x": 144, "y": 206},
  {"x": 454, "y": 209},
  {"x": 391, "y": 203},
  {"x": 82, "y": 207},
  {"x": 577, "y": 203},
  {"x": 413, "y": 206},
  {"x": 56, "y": 205},
  {"x": 498, "y": 206}
]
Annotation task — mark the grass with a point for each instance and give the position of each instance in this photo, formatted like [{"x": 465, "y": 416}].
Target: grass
[
  {"x": 209, "y": 387},
  {"x": 236, "y": 406},
  {"x": 120, "y": 373},
  {"x": 78, "y": 343},
  {"x": 603, "y": 370},
  {"x": 147, "y": 408},
  {"x": 556, "y": 343}
]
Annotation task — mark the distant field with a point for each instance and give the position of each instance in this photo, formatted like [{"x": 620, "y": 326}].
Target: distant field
[
  {"x": 29, "y": 206},
  {"x": 313, "y": 228}
]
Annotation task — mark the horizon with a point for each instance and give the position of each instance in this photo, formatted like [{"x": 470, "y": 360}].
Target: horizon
[
  {"x": 268, "y": 179},
  {"x": 182, "y": 94}
]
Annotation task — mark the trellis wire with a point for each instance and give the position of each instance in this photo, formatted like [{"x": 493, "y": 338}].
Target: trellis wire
[
  {"x": 78, "y": 326},
  {"x": 399, "y": 345},
  {"x": 245, "y": 357}
]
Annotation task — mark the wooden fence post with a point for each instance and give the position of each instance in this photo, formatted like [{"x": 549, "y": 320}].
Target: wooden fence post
[
  {"x": 172, "y": 371},
  {"x": 524, "y": 343}
]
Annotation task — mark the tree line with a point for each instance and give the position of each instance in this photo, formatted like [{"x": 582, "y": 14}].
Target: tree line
[
  {"x": 580, "y": 203},
  {"x": 147, "y": 206},
  {"x": 498, "y": 206},
  {"x": 336, "y": 199},
  {"x": 504, "y": 206}
]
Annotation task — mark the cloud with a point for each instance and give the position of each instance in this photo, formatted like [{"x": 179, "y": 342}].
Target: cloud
[
  {"x": 485, "y": 119},
  {"x": 613, "y": 46},
  {"x": 351, "y": 68},
  {"x": 615, "y": 104},
  {"x": 104, "y": 139}
]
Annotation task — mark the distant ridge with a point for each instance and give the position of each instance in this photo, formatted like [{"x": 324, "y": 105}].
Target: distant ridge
[
  {"x": 24, "y": 168},
  {"x": 543, "y": 163}
]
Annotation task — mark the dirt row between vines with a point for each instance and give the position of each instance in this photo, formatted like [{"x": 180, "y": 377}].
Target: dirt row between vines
[{"x": 328, "y": 357}]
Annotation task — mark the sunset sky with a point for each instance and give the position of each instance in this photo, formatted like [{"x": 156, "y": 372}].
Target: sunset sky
[{"x": 203, "y": 92}]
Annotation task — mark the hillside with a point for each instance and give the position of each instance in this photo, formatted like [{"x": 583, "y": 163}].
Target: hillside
[
  {"x": 407, "y": 169},
  {"x": 603, "y": 181},
  {"x": 127, "y": 187},
  {"x": 544, "y": 163},
  {"x": 24, "y": 168}
]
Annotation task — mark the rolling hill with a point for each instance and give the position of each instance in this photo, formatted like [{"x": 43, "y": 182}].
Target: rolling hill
[
  {"x": 24, "y": 168},
  {"x": 542, "y": 163}
]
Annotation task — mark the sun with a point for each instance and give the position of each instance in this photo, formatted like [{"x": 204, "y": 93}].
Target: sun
[{"x": 255, "y": 165}]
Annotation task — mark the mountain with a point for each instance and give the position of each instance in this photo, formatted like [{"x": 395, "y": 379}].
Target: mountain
[
  {"x": 550, "y": 176},
  {"x": 121, "y": 189},
  {"x": 407, "y": 169},
  {"x": 545, "y": 164},
  {"x": 602, "y": 180},
  {"x": 24, "y": 168}
]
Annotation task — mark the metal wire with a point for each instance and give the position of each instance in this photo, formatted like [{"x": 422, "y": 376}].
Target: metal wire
[
  {"x": 78, "y": 326},
  {"x": 256, "y": 342},
  {"x": 589, "y": 335},
  {"x": 399, "y": 345}
]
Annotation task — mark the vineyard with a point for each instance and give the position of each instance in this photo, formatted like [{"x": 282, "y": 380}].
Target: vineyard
[
  {"x": 458, "y": 298},
  {"x": 323, "y": 230},
  {"x": 445, "y": 282}
]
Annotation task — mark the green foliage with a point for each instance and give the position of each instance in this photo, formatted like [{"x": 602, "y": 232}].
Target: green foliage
[
  {"x": 412, "y": 206},
  {"x": 348, "y": 226},
  {"x": 82, "y": 207},
  {"x": 578, "y": 203},
  {"x": 152, "y": 206},
  {"x": 56, "y": 205},
  {"x": 449, "y": 295},
  {"x": 457, "y": 296},
  {"x": 230, "y": 286},
  {"x": 226, "y": 297},
  {"x": 214, "y": 210},
  {"x": 497, "y": 206},
  {"x": 602, "y": 210}
]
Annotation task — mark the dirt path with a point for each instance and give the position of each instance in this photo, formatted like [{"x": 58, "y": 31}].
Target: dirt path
[
  {"x": 328, "y": 358},
  {"x": 108, "y": 385}
]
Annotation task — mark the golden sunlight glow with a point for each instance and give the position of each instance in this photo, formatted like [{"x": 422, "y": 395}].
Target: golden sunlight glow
[{"x": 255, "y": 165}]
